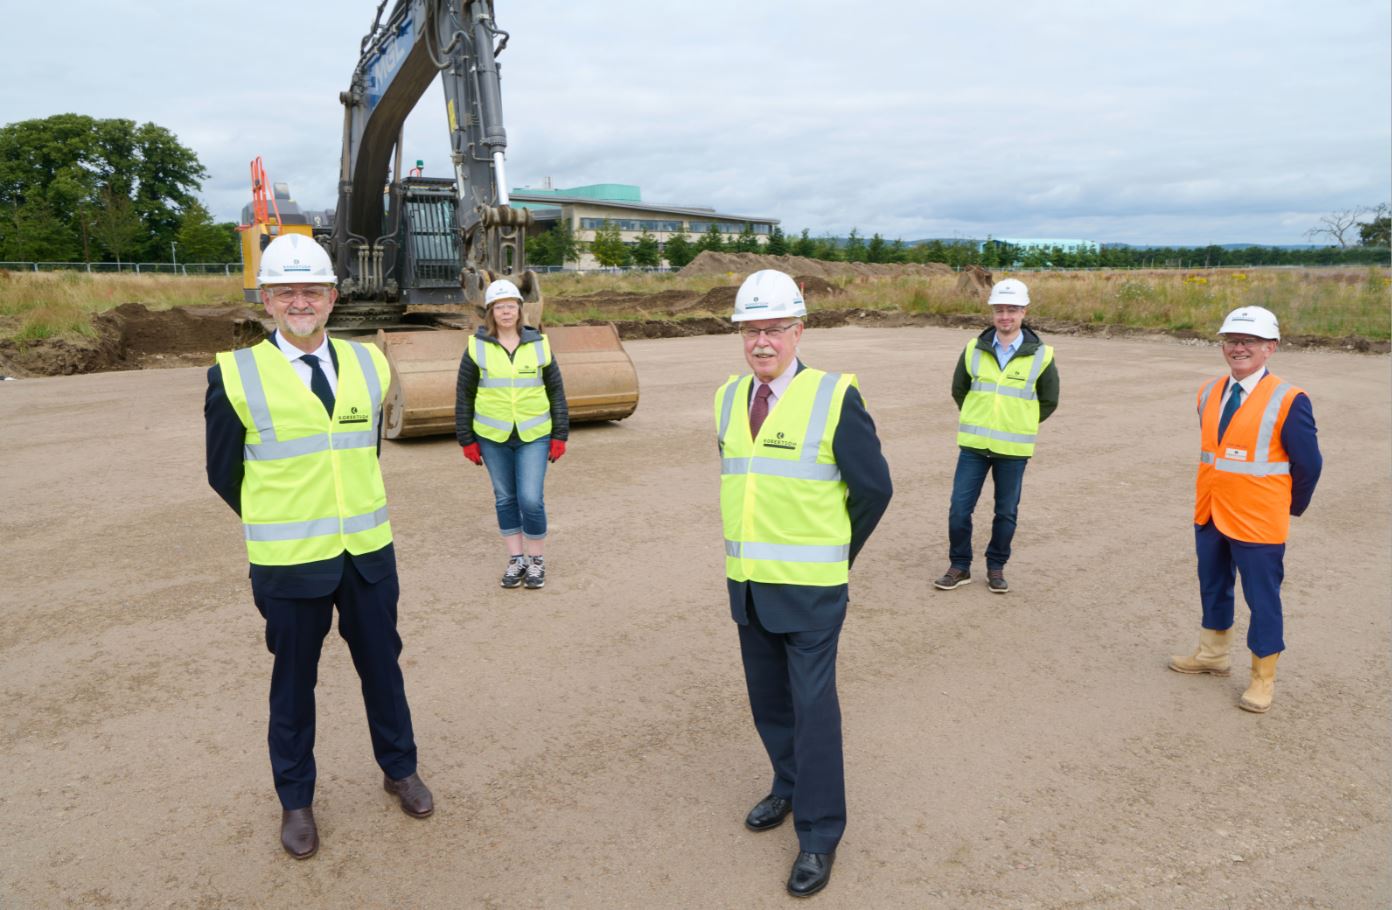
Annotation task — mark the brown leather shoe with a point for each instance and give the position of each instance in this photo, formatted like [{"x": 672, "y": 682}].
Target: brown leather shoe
[
  {"x": 298, "y": 833},
  {"x": 416, "y": 800}
]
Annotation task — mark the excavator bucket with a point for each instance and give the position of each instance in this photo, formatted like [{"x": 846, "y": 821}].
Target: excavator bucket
[{"x": 600, "y": 380}]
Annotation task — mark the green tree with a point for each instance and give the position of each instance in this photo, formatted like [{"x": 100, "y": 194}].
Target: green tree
[
  {"x": 877, "y": 250},
  {"x": 804, "y": 245},
  {"x": 554, "y": 246},
  {"x": 854, "y": 250},
  {"x": 1377, "y": 232},
  {"x": 826, "y": 249},
  {"x": 712, "y": 240},
  {"x": 777, "y": 243},
  {"x": 116, "y": 224},
  {"x": 72, "y": 162},
  {"x": 678, "y": 250},
  {"x": 608, "y": 247},
  {"x": 646, "y": 251},
  {"x": 31, "y": 232},
  {"x": 747, "y": 241},
  {"x": 202, "y": 240}
]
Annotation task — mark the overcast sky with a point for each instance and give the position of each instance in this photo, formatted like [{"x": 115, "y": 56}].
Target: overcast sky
[{"x": 1182, "y": 121}]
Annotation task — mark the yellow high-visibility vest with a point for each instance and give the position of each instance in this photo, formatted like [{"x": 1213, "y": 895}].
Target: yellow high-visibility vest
[
  {"x": 312, "y": 486},
  {"x": 782, "y": 499},
  {"x": 1001, "y": 412},
  {"x": 511, "y": 392}
]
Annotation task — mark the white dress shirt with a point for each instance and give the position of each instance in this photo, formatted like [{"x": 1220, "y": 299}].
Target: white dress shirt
[{"x": 302, "y": 369}]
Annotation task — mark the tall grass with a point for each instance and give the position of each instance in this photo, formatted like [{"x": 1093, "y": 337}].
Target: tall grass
[
  {"x": 1330, "y": 303},
  {"x": 1326, "y": 303},
  {"x": 38, "y": 305}
]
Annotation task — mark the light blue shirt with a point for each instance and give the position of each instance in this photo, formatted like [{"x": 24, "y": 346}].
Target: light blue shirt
[{"x": 1003, "y": 354}]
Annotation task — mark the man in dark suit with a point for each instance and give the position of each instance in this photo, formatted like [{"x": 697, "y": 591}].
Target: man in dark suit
[
  {"x": 803, "y": 485},
  {"x": 293, "y": 437}
]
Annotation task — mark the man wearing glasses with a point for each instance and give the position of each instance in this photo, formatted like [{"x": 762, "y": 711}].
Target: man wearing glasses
[
  {"x": 1005, "y": 385},
  {"x": 293, "y": 438},
  {"x": 802, "y": 485},
  {"x": 1258, "y": 465}
]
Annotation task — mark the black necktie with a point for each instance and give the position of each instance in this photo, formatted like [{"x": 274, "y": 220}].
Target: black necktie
[
  {"x": 1229, "y": 409},
  {"x": 319, "y": 383},
  {"x": 760, "y": 410}
]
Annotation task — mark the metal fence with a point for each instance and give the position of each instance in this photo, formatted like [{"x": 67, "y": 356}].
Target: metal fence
[{"x": 134, "y": 268}]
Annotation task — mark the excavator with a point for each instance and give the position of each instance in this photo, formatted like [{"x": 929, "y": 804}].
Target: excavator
[{"x": 414, "y": 254}]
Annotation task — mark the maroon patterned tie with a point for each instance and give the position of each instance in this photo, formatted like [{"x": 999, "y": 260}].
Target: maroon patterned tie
[{"x": 760, "y": 409}]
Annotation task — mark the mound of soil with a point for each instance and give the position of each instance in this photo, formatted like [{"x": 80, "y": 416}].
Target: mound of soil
[
  {"x": 974, "y": 281},
  {"x": 132, "y": 337},
  {"x": 709, "y": 263}
]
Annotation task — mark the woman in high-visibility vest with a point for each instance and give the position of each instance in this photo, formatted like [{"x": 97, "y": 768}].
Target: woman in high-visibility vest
[{"x": 510, "y": 414}]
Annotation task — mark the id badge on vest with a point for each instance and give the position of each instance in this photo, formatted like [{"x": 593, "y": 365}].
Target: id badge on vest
[{"x": 1235, "y": 454}]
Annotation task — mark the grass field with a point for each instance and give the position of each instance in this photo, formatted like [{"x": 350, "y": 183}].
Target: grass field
[{"x": 1327, "y": 303}]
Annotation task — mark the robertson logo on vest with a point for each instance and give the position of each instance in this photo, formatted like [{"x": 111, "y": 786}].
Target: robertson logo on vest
[
  {"x": 778, "y": 442},
  {"x": 354, "y": 417}
]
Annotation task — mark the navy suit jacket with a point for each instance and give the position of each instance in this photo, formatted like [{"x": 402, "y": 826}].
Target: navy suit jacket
[
  {"x": 806, "y": 608},
  {"x": 225, "y": 440}
]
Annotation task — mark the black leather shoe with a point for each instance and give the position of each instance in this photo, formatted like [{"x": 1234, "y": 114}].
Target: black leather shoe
[
  {"x": 768, "y": 813},
  {"x": 298, "y": 833},
  {"x": 415, "y": 797},
  {"x": 811, "y": 872}
]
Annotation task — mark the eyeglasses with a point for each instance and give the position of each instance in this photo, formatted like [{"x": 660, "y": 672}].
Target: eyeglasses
[
  {"x": 775, "y": 333},
  {"x": 283, "y": 293},
  {"x": 1248, "y": 343}
]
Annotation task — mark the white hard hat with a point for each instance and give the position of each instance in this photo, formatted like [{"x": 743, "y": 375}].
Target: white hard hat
[
  {"x": 502, "y": 289},
  {"x": 1010, "y": 292},
  {"x": 768, "y": 294},
  {"x": 1252, "y": 320},
  {"x": 295, "y": 259}
]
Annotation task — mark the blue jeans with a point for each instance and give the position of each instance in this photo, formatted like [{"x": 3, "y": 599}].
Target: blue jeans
[
  {"x": 972, "y": 467},
  {"x": 518, "y": 470}
]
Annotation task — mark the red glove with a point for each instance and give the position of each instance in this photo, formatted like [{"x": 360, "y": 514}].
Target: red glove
[
  {"x": 471, "y": 452},
  {"x": 557, "y": 450}
]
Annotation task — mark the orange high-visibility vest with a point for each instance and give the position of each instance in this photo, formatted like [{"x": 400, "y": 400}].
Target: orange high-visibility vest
[{"x": 1244, "y": 480}]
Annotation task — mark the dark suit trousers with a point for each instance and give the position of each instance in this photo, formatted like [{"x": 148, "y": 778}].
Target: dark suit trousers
[
  {"x": 295, "y": 630},
  {"x": 792, "y": 691}
]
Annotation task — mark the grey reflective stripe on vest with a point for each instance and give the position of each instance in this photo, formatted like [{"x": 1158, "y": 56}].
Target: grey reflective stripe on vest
[
  {"x": 1008, "y": 391},
  {"x": 481, "y": 354},
  {"x": 1203, "y": 399},
  {"x": 518, "y": 383},
  {"x": 534, "y": 422},
  {"x": 291, "y": 448},
  {"x": 975, "y": 369},
  {"x": 776, "y": 467},
  {"x": 361, "y": 439},
  {"x": 540, "y": 355},
  {"x": 491, "y": 422},
  {"x": 374, "y": 388},
  {"x": 1261, "y": 464},
  {"x": 789, "y": 552},
  {"x": 1028, "y": 392},
  {"x": 726, "y": 407},
  {"x": 318, "y": 527},
  {"x": 996, "y": 434},
  {"x": 817, "y": 420},
  {"x": 255, "y": 394}
]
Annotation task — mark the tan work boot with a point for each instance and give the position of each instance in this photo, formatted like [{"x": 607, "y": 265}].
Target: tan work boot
[
  {"x": 1257, "y": 698},
  {"x": 1212, "y": 656}
]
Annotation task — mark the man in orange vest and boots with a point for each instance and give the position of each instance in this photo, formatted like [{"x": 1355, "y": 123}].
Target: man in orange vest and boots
[{"x": 1259, "y": 464}]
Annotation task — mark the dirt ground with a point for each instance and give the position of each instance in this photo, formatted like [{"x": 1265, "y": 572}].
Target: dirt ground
[{"x": 590, "y": 745}]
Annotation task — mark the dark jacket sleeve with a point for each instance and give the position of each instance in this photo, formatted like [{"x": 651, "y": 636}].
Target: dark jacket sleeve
[
  {"x": 225, "y": 437},
  {"x": 555, "y": 393},
  {"x": 1301, "y": 441},
  {"x": 465, "y": 389},
  {"x": 863, "y": 468},
  {"x": 1047, "y": 389},
  {"x": 961, "y": 381}
]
